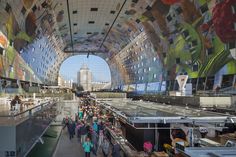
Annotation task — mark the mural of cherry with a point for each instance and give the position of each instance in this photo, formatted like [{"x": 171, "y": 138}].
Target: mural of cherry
[{"x": 224, "y": 19}]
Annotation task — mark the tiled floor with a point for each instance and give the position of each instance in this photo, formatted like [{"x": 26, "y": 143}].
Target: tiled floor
[{"x": 70, "y": 148}]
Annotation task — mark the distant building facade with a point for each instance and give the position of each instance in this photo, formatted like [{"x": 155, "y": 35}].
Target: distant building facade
[
  {"x": 84, "y": 78},
  {"x": 96, "y": 86},
  {"x": 64, "y": 83}
]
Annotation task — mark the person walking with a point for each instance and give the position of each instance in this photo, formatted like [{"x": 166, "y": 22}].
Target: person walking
[
  {"x": 116, "y": 150},
  {"x": 83, "y": 132},
  {"x": 105, "y": 147},
  {"x": 95, "y": 126},
  {"x": 70, "y": 130},
  {"x": 80, "y": 114},
  {"x": 94, "y": 141},
  {"x": 87, "y": 146},
  {"x": 100, "y": 139}
]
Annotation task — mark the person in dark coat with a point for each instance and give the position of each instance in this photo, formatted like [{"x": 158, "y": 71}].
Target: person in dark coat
[
  {"x": 116, "y": 150},
  {"x": 94, "y": 141},
  {"x": 74, "y": 126},
  {"x": 15, "y": 101},
  {"x": 71, "y": 130},
  {"x": 83, "y": 132}
]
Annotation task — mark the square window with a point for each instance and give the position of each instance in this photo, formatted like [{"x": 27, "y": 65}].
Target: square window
[
  {"x": 164, "y": 55},
  {"x": 234, "y": 25},
  {"x": 23, "y": 10},
  {"x": 8, "y": 8},
  {"x": 94, "y": 9},
  {"x": 112, "y": 12},
  {"x": 135, "y": 1},
  {"x": 154, "y": 76},
  {"x": 204, "y": 8},
  {"x": 137, "y": 20},
  {"x": 231, "y": 45},
  {"x": 34, "y": 8},
  {"x": 171, "y": 41},
  {"x": 168, "y": 73},
  {"x": 75, "y": 12},
  {"x": 185, "y": 33},
  {"x": 106, "y": 24},
  {"x": 195, "y": 67},
  {"x": 152, "y": 19},
  {"x": 169, "y": 18},
  {"x": 177, "y": 60},
  {"x": 44, "y": 4},
  {"x": 179, "y": 10},
  {"x": 1, "y": 51},
  {"x": 75, "y": 24},
  {"x": 75, "y": 33},
  {"x": 233, "y": 8},
  {"x": 194, "y": 42},
  {"x": 148, "y": 7},
  {"x": 91, "y": 22}
]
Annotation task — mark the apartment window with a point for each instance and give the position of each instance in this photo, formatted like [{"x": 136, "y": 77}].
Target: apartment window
[
  {"x": 91, "y": 22},
  {"x": 34, "y": 8},
  {"x": 169, "y": 18},
  {"x": 231, "y": 45},
  {"x": 94, "y": 9},
  {"x": 112, "y": 12},
  {"x": 11, "y": 68},
  {"x": 148, "y": 7},
  {"x": 179, "y": 10},
  {"x": 75, "y": 12},
  {"x": 204, "y": 8},
  {"x": 23, "y": 10},
  {"x": 235, "y": 26},
  {"x": 8, "y": 8},
  {"x": 233, "y": 8},
  {"x": 154, "y": 76}
]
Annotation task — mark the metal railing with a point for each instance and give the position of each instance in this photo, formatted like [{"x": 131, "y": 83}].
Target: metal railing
[{"x": 15, "y": 117}]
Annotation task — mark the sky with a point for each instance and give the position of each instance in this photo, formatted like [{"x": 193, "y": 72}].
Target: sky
[{"x": 98, "y": 67}]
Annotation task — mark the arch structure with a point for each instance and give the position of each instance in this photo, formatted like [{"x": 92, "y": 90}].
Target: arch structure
[{"x": 143, "y": 41}]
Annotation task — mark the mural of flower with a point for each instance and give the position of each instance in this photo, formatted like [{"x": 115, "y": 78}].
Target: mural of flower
[{"x": 224, "y": 20}]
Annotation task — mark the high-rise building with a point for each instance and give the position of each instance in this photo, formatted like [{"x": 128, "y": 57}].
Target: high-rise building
[{"x": 84, "y": 78}]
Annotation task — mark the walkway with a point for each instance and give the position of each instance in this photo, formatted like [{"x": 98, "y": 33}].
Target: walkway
[{"x": 70, "y": 148}]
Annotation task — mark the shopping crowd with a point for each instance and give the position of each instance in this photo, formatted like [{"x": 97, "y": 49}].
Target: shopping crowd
[{"x": 90, "y": 129}]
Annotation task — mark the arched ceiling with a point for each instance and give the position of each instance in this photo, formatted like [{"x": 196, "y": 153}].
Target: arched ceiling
[{"x": 141, "y": 40}]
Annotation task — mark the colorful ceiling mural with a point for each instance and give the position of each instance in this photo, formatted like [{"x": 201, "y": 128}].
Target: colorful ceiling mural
[{"x": 143, "y": 41}]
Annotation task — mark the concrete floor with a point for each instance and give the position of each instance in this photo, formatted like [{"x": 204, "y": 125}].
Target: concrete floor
[{"x": 70, "y": 148}]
